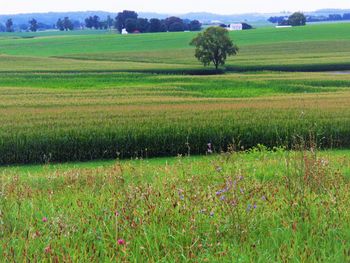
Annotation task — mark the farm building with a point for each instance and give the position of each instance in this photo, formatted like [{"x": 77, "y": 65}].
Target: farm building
[{"x": 235, "y": 27}]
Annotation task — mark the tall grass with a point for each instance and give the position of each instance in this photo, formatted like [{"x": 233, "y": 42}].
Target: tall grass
[{"x": 253, "y": 206}]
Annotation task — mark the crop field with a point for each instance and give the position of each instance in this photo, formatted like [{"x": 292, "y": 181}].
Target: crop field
[
  {"x": 79, "y": 97},
  {"x": 277, "y": 116}
]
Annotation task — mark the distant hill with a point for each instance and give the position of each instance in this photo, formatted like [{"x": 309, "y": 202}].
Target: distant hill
[{"x": 52, "y": 17}]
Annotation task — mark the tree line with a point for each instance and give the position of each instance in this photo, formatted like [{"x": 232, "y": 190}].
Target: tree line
[
  {"x": 285, "y": 20},
  {"x": 128, "y": 20}
]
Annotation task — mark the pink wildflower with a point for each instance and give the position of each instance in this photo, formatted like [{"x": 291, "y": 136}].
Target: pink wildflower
[{"x": 121, "y": 242}]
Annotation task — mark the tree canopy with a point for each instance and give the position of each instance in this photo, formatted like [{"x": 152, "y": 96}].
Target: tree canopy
[
  {"x": 9, "y": 25},
  {"x": 297, "y": 19},
  {"x": 122, "y": 17},
  {"x": 214, "y": 45},
  {"x": 33, "y": 25}
]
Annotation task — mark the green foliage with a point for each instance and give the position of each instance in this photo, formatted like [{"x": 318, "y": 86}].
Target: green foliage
[
  {"x": 297, "y": 19},
  {"x": 33, "y": 25},
  {"x": 257, "y": 206},
  {"x": 214, "y": 46},
  {"x": 9, "y": 25},
  {"x": 131, "y": 25},
  {"x": 122, "y": 17}
]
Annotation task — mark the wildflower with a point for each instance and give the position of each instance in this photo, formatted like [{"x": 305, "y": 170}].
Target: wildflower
[
  {"x": 219, "y": 192},
  {"x": 182, "y": 197},
  {"x": 263, "y": 198},
  {"x": 44, "y": 219},
  {"x": 116, "y": 213},
  {"x": 121, "y": 242},
  {"x": 255, "y": 206},
  {"x": 222, "y": 198},
  {"x": 211, "y": 214}
]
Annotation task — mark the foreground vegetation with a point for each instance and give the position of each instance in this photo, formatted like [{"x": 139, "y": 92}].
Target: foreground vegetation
[{"x": 255, "y": 206}]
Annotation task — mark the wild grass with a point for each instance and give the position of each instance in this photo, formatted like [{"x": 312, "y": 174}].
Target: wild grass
[{"x": 255, "y": 206}]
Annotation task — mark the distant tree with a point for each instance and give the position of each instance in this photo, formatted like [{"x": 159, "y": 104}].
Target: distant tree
[
  {"x": 143, "y": 25},
  {"x": 171, "y": 20},
  {"x": 122, "y": 17},
  {"x": 131, "y": 25},
  {"x": 335, "y": 17},
  {"x": 284, "y": 22},
  {"x": 33, "y": 25},
  {"x": 195, "y": 25},
  {"x": 176, "y": 27},
  {"x": 223, "y": 25},
  {"x": 163, "y": 27},
  {"x": 60, "y": 25},
  {"x": 277, "y": 19},
  {"x": 155, "y": 25},
  {"x": 9, "y": 25},
  {"x": 67, "y": 24},
  {"x": 297, "y": 19},
  {"x": 346, "y": 16},
  {"x": 88, "y": 22},
  {"x": 214, "y": 46},
  {"x": 109, "y": 22},
  {"x": 246, "y": 26}
]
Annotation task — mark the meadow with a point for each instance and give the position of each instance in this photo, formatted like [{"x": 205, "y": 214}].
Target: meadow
[{"x": 253, "y": 206}]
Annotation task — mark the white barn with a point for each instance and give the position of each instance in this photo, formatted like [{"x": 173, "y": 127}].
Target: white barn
[
  {"x": 124, "y": 32},
  {"x": 235, "y": 27}
]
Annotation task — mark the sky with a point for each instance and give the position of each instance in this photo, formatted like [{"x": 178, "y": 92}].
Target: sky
[{"x": 170, "y": 6}]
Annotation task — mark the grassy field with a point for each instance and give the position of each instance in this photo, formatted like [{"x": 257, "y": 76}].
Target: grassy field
[
  {"x": 256, "y": 206},
  {"x": 74, "y": 96}
]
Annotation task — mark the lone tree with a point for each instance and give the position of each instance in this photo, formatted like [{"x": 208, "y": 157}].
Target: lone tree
[
  {"x": 214, "y": 46},
  {"x": 297, "y": 19}
]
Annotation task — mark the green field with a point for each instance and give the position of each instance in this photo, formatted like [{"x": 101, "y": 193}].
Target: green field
[
  {"x": 277, "y": 116},
  {"x": 77, "y": 97}
]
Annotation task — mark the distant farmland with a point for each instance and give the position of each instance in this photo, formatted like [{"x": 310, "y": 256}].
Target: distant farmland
[{"x": 76, "y": 96}]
